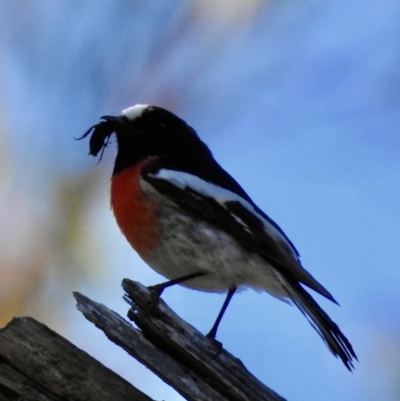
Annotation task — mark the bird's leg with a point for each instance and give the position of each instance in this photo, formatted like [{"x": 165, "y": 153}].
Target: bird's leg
[
  {"x": 159, "y": 288},
  {"x": 213, "y": 332}
]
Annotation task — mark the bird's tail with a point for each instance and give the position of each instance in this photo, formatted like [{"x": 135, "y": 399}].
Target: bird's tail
[{"x": 322, "y": 323}]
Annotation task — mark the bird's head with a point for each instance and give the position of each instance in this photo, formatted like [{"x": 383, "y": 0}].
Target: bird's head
[{"x": 143, "y": 131}]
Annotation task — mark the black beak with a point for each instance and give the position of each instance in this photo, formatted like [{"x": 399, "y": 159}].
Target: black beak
[{"x": 115, "y": 119}]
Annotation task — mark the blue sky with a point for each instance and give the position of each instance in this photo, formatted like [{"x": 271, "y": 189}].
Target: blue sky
[{"x": 300, "y": 103}]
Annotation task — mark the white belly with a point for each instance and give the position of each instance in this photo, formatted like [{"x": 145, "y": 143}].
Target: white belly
[{"x": 189, "y": 246}]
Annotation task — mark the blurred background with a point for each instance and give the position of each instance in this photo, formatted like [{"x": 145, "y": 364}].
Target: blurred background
[{"x": 299, "y": 101}]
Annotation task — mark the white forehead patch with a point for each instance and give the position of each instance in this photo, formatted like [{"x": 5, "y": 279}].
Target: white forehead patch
[{"x": 133, "y": 112}]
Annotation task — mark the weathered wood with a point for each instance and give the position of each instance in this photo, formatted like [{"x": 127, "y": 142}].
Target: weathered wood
[
  {"x": 14, "y": 385},
  {"x": 218, "y": 367},
  {"x": 132, "y": 340},
  {"x": 39, "y": 365},
  {"x": 36, "y": 364},
  {"x": 197, "y": 367}
]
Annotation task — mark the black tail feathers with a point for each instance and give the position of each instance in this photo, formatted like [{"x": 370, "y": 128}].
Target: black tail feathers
[{"x": 322, "y": 323}]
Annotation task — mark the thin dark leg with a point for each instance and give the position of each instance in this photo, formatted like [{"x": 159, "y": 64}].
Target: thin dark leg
[
  {"x": 159, "y": 288},
  {"x": 213, "y": 331}
]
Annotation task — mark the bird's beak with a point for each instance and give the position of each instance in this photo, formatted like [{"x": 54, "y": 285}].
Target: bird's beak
[{"x": 114, "y": 119}]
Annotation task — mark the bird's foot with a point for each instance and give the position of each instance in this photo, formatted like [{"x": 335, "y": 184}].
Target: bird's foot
[
  {"x": 156, "y": 291},
  {"x": 216, "y": 344}
]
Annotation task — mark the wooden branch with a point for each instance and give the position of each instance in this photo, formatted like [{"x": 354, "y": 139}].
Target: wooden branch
[
  {"x": 36, "y": 364},
  {"x": 132, "y": 340},
  {"x": 197, "y": 367}
]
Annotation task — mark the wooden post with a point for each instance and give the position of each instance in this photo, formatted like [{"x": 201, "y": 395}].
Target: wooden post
[
  {"x": 37, "y": 364},
  {"x": 195, "y": 366}
]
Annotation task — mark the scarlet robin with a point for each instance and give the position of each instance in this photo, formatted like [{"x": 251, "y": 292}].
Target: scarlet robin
[{"x": 193, "y": 223}]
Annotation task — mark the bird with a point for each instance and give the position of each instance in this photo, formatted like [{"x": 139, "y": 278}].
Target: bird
[{"x": 192, "y": 222}]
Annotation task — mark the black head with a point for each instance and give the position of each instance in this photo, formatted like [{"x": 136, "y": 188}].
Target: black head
[{"x": 144, "y": 131}]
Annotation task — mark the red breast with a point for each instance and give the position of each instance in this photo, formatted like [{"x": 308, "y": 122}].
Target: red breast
[{"x": 134, "y": 211}]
